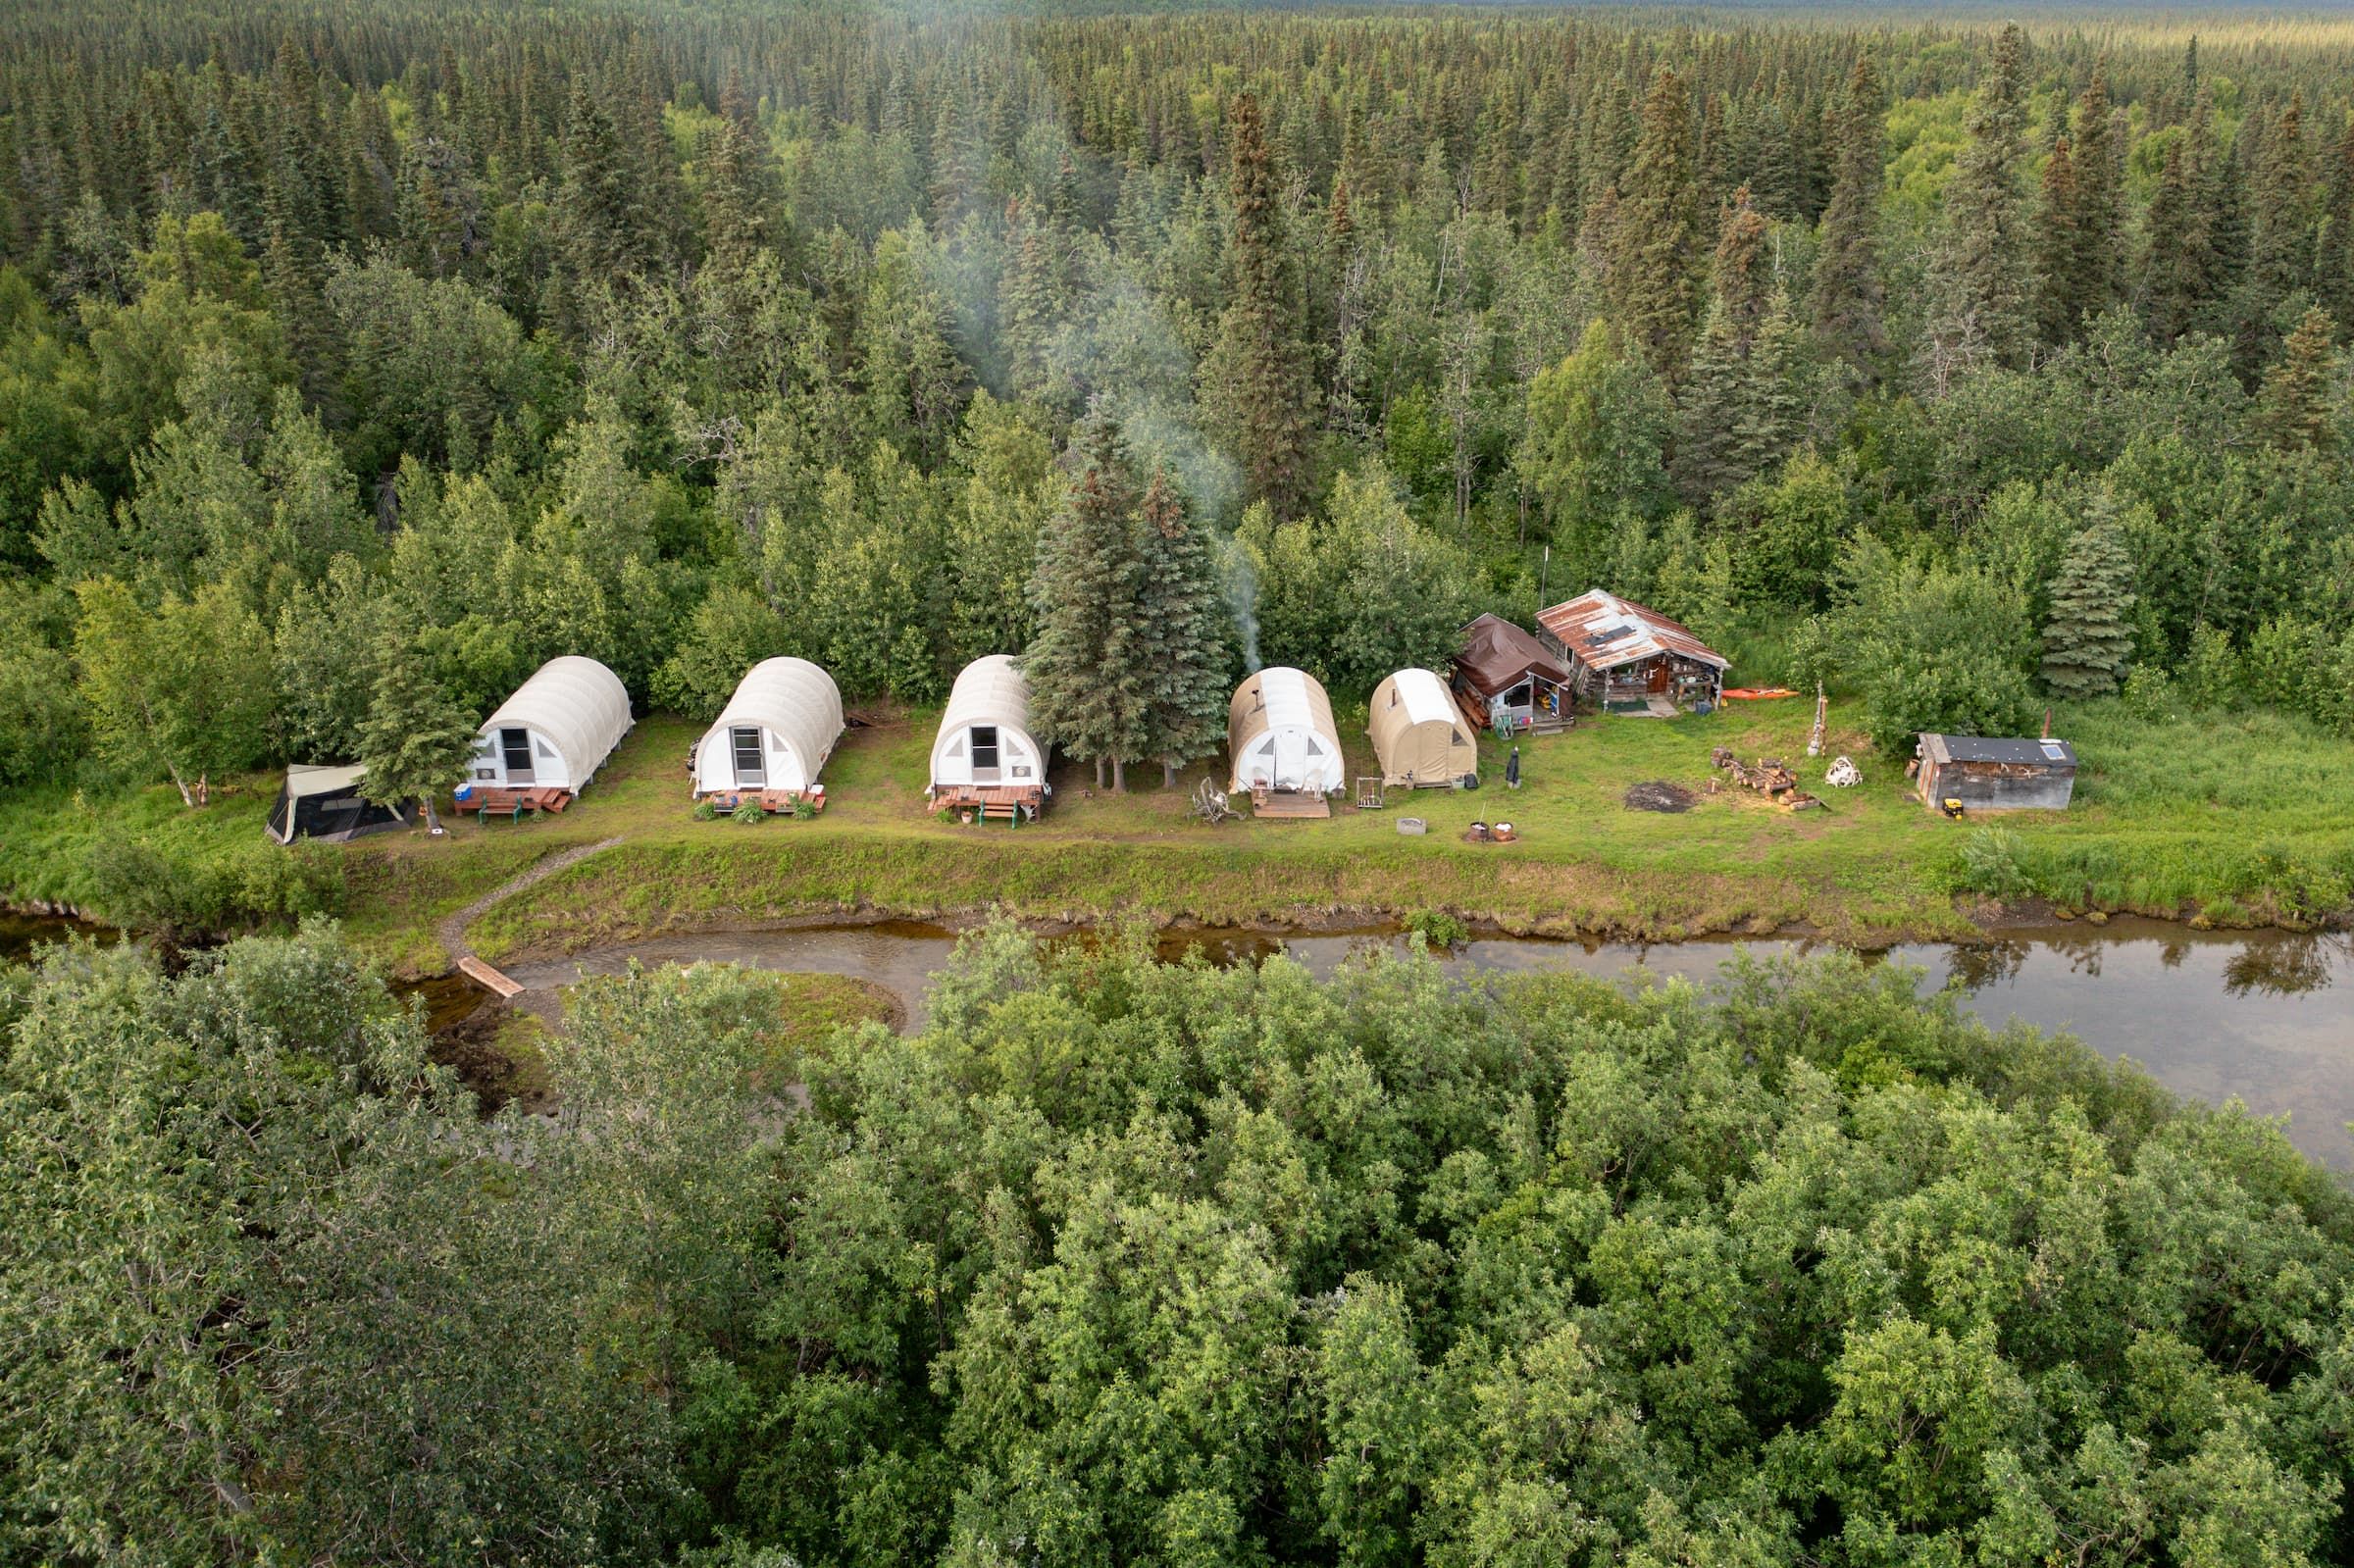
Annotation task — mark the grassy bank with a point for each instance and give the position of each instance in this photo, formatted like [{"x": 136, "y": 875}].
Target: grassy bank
[{"x": 2240, "y": 820}]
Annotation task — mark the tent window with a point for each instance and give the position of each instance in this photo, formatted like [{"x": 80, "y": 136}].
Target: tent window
[
  {"x": 985, "y": 746},
  {"x": 1315, "y": 747},
  {"x": 1457, "y": 736},
  {"x": 547, "y": 753},
  {"x": 746, "y": 742}
]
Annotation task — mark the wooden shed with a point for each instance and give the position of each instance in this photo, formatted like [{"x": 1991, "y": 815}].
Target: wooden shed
[
  {"x": 1995, "y": 775},
  {"x": 985, "y": 758},
  {"x": 1505, "y": 675},
  {"x": 1281, "y": 737},
  {"x": 772, "y": 738},
  {"x": 326, "y": 803},
  {"x": 1626, "y": 658},
  {"x": 547, "y": 740},
  {"x": 1421, "y": 735}
]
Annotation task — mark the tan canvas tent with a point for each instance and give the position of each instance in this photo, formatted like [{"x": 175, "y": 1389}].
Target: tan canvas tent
[
  {"x": 1419, "y": 734},
  {"x": 1280, "y": 735}
]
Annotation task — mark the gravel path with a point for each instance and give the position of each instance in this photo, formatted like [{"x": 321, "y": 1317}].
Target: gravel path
[{"x": 451, "y": 932}]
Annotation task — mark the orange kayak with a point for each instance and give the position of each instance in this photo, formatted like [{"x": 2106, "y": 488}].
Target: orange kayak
[{"x": 1755, "y": 693}]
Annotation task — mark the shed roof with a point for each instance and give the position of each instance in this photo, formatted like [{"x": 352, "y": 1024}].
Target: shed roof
[
  {"x": 789, "y": 697},
  {"x": 1981, "y": 748},
  {"x": 1497, "y": 655},
  {"x": 1603, "y": 632},
  {"x": 578, "y": 704}
]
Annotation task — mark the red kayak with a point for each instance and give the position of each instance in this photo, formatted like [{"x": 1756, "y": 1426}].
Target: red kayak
[{"x": 1755, "y": 693}]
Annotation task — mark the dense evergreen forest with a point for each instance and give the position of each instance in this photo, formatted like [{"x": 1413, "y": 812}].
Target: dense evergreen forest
[{"x": 358, "y": 362}]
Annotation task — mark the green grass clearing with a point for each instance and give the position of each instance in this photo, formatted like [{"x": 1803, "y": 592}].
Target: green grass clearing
[{"x": 2243, "y": 817}]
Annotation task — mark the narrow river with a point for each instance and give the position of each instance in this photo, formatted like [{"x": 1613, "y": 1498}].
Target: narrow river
[{"x": 2267, "y": 1016}]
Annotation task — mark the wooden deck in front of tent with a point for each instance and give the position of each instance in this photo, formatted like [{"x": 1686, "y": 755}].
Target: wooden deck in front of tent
[
  {"x": 1010, "y": 803},
  {"x": 776, "y": 802},
  {"x": 491, "y": 801},
  {"x": 1298, "y": 804}
]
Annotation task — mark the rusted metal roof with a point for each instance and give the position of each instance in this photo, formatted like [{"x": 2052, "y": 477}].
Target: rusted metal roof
[
  {"x": 1603, "y": 632},
  {"x": 1498, "y": 655}
]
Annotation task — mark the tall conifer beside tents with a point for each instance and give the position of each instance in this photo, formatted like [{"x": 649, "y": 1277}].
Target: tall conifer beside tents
[
  {"x": 1280, "y": 735},
  {"x": 775, "y": 733},
  {"x": 555, "y": 731},
  {"x": 1420, "y": 734}
]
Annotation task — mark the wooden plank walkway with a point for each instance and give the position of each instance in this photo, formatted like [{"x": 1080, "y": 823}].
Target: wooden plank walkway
[
  {"x": 1289, "y": 803},
  {"x": 490, "y": 980}
]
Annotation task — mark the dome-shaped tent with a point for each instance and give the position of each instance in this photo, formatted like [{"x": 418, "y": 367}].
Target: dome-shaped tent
[
  {"x": 1280, "y": 735},
  {"x": 557, "y": 729},
  {"x": 985, "y": 740},
  {"x": 775, "y": 733},
  {"x": 1420, "y": 734}
]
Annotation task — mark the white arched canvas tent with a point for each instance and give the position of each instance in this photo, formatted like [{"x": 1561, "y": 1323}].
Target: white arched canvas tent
[
  {"x": 1420, "y": 734},
  {"x": 556, "y": 731},
  {"x": 1280, "y": 735},
  {"x": 775, "y": 733},
  {"x": 985, "y": 740}
]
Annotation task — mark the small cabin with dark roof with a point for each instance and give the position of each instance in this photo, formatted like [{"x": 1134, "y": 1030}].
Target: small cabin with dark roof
[
  {"x": 1507, "y": 677},
  {"x": 1985, "y": 774},
  {"x": 1628, "y": 658}
]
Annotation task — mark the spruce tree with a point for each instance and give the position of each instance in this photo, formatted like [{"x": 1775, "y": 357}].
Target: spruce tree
[
  {"x": 2293, "y": 408},
  {"x": 1086, "y": 686},
  {"x": 1181, "y": 620},
  {"x": 1256, "y": 377},
  {"x": 2088, "y": 632},
  {"x": 1847, "y": 291},
  {"x": 1982, "y": 313},
  {"x": 2334, "y": 278},
  {"x": 416, "y": 741},
  {"x": 1726, "y": 431},
  {"x": 2178, "y": 263},
  {"x": 2280, "y": 237},
  {"x": 1655, "y": 231},
  {"x": 2058, "y": 305},
  {"x": 2100, "y": 204}
]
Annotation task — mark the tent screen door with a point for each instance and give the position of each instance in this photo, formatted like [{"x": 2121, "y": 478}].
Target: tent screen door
[
  {"x": 515, "y": 747},
  {"x": 985, "y": 753},
  {"x": 1291, "y": 760},
  {"x": 750, "y": 772}
]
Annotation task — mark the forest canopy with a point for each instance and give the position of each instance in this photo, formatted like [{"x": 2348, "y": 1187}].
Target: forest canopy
[
  {"x": 1123, "y": 1261},
  {"x": 1966, "y": 366}
]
